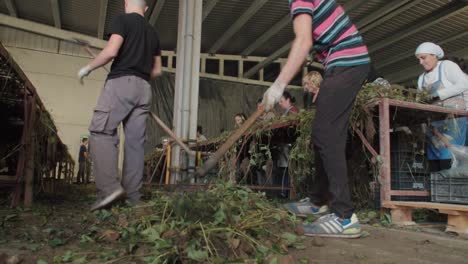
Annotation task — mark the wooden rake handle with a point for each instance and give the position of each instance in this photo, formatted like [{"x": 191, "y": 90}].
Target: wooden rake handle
[
  {"x": 172, "y": 135},
  {"x": 213, "y": 160}
]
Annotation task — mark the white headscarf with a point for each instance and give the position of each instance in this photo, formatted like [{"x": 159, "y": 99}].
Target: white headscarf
[{"x": 430, "y": 48}]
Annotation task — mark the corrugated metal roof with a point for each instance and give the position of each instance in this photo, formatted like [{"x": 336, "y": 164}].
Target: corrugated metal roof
[
  {"x": 268, "y": 15},
  {"x": 3, "y": 8},
  {"x": 37, "y": 11},
  {"x": 83, "y": 17},
  {"x": 167, "y": 25}
]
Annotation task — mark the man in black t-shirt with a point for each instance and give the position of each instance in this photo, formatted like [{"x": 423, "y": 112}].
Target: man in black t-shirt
[
  {"x": 126, "y": 96},
  {"x": 82, "y": 161}
]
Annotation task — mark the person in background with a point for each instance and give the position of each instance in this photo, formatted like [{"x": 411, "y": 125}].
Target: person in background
[
  {"x": 443, "y": 79},
  {"x": 448, "y": 85},
  {"x": 311, "y": 83},
  {"x": 200, "y": 136},
  {"x": 239, "y": 119},
  {"x": 82, "y": 161},
  {"x": 89, "y": 165},
  {"x": 134, "y": 48},
  {"x": 325, "y": 26},
  {"x": 287, "y": 104}
]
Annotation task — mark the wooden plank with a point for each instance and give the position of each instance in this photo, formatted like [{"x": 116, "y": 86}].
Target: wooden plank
[
  {"x": 402, "y": 216},
  {"x": 384, "y": 130},
  {"x": 409, "y": 193},
  {"x": 450, "y": 212},
  {"x": 427, "y": 205},
  {"x": 427, "y": 107},
  {"x": 7, "y": 178},
  {"x": 457, "y": 224}
]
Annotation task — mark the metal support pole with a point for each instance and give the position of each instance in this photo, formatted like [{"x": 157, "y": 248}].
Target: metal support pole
[
  {"x": 178, "y": 94},
  {"x": 187, "y": 81}
]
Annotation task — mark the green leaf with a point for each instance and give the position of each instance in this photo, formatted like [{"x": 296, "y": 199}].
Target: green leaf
[
  {"x": 273, "y": 260},
  {"x": 289, "y": 237},
  {"x": 162, "y": 244},
  {"x": 151, "y": 234},
  {"x": 387, "y": 219},
  {"x": 372, "y": 215},
  {"x": 303, "y": 261},
  {"x": 276, "y": 248},
  {"x": 48, "y": 230},
  {"x": 68, "y": 256},
  {"x": 262, "y": 249},
  {"x": 40, "y": 261},
  {"x": 56, "y": 242},
  {"x": 299, "y": 246},
  {"x": 219, "y": 216},
  {"x": 34, "y": 248},
  {"x": 197, "y": 255},
  {"x": 365, "y": 234},
  {"x": 86, "y": 238},
  {"x": 10, "y": 217},
  {"x": 277, "y": 217},
  {"x": 81, "y": 260}
]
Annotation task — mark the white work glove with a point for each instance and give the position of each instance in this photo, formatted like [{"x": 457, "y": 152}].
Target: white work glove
[
  {"x": 85, "y": 71},
  {"x": 273, "y": 95}
]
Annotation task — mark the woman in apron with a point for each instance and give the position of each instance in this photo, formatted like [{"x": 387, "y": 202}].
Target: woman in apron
[{"x": 448, "y": 86}]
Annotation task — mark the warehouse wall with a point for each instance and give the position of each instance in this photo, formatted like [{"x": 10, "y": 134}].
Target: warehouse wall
[{"x": 51, "y": 66}]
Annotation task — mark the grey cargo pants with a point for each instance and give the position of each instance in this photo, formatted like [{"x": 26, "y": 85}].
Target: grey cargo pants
[{"x": 125, "y": 99}]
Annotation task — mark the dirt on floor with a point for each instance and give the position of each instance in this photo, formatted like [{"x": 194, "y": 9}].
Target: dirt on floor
[{"x": 53, "y": 231}]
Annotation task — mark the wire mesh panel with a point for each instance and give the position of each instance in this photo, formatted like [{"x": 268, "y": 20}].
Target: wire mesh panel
[{"x": 409, "y": 166}]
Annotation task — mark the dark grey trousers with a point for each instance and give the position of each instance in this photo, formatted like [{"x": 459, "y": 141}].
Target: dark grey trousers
[
  {"x": 127, "y": 100},
  {"x": 338, "y": 90}
]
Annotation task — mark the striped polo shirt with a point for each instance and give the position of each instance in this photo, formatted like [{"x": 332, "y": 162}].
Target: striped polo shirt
[{"x": 337, "y": 41}]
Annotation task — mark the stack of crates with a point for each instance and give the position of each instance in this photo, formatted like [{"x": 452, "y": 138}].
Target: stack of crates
[
  {"x": 409, "y": 167},
  {"x": 447, "y": 188}
]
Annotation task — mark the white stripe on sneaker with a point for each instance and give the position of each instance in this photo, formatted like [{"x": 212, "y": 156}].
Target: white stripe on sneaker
[
  {"x": 336, "y": 225},
  {"x": 337, "y": 228},
  {"x": 324, "y": 227}
]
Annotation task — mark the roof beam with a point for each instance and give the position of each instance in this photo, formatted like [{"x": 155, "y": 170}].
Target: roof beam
[
  {"x": 49, "y": 31},
  {"x": 279, "y": 53},
  {"x": 286, "y": 20},
  {"x": 400, "y": 57},
  {"x": 252, "y": 10},
  {"x": 56, "y": 13},
  {"x": 156, "y": 11},
  {"x": 102, "y": 18},
  {"x": 426, "y": 22},
  {"x": 11, "y": 8},
  {"x": 385, "y": 13},
  {"x": 208, "y": 8}
]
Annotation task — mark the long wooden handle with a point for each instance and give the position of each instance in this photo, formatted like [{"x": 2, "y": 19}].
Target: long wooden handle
[
  {"x": 172, "y": 135},
  {"x": 213, "y": 160}
]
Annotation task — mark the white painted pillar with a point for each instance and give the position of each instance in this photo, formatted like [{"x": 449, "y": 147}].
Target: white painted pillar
[{"x": 186, "y": 81}]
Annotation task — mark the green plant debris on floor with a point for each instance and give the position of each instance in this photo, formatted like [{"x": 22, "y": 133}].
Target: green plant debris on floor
[{"x": 225, "y": 223}]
